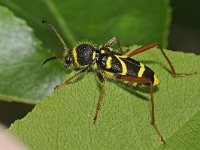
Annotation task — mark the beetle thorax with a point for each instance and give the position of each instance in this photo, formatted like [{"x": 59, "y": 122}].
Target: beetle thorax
[{"x": 84, "y": 54}]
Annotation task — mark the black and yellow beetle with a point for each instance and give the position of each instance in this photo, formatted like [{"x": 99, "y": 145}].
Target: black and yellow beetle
[{"x": 106, "y": 62}]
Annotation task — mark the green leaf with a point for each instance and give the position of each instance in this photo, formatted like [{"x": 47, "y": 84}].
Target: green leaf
[
  {"x": 21, "y": 52},
  {"x": 64, "y": 119},
  {"x": 135, "y": 22},
  {"x": 20, "y": 57}
]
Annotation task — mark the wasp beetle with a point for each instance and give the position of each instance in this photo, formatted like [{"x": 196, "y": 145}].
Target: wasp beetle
[{"x": 108, "y": 62}]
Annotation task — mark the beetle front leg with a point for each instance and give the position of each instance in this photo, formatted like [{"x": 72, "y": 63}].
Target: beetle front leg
[
  {"x": 78, "y": 73},
  {"x": 101, "y": 78}
]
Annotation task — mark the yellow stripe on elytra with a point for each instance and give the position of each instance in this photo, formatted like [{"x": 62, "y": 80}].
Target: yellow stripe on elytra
[
  {"x": 124, "y": 68},
  {"x": 75, "y": 55},
  {"x": 110, "y": 74},
  {"x": 156, "y": 81},
  {"x": 108, "y": 63},
  {"x": 141, "y": 71}
]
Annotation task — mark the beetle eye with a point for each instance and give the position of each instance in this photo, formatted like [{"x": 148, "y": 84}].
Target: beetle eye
[{"x": 68, "y": 60}]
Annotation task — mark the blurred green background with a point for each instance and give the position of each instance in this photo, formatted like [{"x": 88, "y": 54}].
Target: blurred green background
[
  {"x": 185, "y": 27},
  {"x": 184, "y": 35}
]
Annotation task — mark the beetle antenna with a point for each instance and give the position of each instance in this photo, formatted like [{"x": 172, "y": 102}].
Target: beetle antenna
[
  {"x": 57, "y": 34},
  {"x": 49, "y": 59}
]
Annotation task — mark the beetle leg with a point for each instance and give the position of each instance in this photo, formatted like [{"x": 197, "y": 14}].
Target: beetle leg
[
  {"x": 149, "y": 47},
  {"x": 143, "y": 80},
  {"x": 101, "y": 78},
  {"x": 78, "y": 73},
  {"x": 114, "y": 40}
]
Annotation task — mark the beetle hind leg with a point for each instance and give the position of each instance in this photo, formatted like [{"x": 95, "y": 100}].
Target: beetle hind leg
[
  {"x": 153, "y": 45},
  {"x": 143, "y": 81}
]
